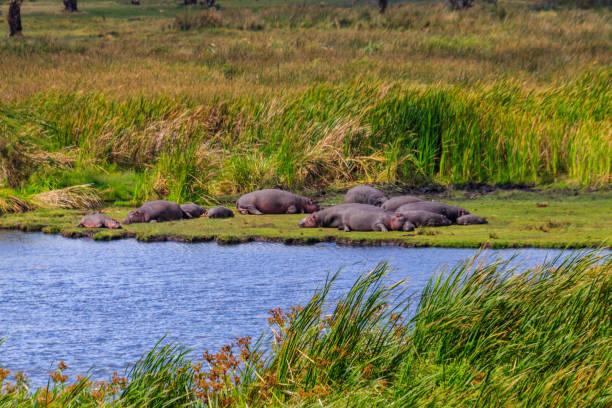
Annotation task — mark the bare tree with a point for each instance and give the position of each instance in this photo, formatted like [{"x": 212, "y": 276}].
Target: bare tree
[
  {"x": 70, "y": 5},
  {"x": 461, "y": 4},
  {"x": 382, "y": 5},
  {"x": 14, "y": 17}
]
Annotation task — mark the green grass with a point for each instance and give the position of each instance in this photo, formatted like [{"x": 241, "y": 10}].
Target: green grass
[
  {"x": 155, "y": 102},
  {"x": 482, "y": 335},
  {"x": 514, "y": 218}
]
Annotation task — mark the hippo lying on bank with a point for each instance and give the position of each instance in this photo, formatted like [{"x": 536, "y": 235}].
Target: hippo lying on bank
[
  {"x": 273, "y": 201},
  {"x": 372, "y": 220},
  {"x": 471, "y": 219},
  {"x": 193, "y": 210},
  {"x": 425, "y": 218},
  {"x": 331, "y": 217},
  {"x": 394, "y": 203},
  {"x": 365, "y": 195},
  {"x": 155, "y": 211},
  {"x": 219, "y": 212},
  {"x": 98, "y": 220},
  {"x": 449, "y": 211}
]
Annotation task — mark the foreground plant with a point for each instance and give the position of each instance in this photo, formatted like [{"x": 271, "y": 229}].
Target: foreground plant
[{"x": 481, "y": 334}]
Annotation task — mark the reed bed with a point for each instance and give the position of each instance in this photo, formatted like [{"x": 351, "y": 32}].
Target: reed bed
[
  {"x": 12, "y": 204},
  {"x": 325, "y": 136},
  {"x": 82, "y": 197},
  {"x": 480, "y": 334}
]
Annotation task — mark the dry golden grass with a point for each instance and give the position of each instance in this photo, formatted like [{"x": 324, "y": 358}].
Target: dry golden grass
[
  {"x": 72, "y": 198},
  {"x": 416, "y": 43}
]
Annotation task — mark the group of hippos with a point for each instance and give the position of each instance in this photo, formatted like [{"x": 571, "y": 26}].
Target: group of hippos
[{"x": 365, "y": 209}]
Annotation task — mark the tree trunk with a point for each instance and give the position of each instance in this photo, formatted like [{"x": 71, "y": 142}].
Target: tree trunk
[
  {"x": 14, "y": 17},
  {"x": 70, "y": 5},
  {"x": 382, "y": 5}
]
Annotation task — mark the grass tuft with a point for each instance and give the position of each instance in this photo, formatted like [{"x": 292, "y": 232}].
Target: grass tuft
[{"x": 82, "y": 197}]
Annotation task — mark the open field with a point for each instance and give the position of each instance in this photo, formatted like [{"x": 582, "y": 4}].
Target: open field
[
  {"x": 515, "y": 221},
  {"x": 482, "y": 335},
  {"x": 167, "y": 101}
]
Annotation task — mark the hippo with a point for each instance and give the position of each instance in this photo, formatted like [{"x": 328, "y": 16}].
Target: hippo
[
  {"x": 219, "y": 212},
  {"x": 470, "y": 219},
  {"x": 193, "y": 210},
  {"x": 365, "y": 195},
  {"x": 273, "y": 201},
  {"x": 155, "y": 211},
  {"x": 98, "y": 220},
  {"x": 425, "y": 218},
  {"x": 371, "y": 220},
  {"x": 394, "y": 203},
  {"x": 332, "y": 217},
  {"x": 449, "y": 211}
]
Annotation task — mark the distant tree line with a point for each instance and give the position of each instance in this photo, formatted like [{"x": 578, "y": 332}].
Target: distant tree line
[{"x": 15, "y": 28}]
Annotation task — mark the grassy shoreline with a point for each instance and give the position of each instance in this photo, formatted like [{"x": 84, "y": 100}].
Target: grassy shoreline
[
  {"x": 482, "y": 335},
  {"x": 515, "y": 220}
]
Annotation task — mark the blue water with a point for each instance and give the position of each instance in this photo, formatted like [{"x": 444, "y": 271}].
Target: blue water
[{"x": 101, "y": 305}]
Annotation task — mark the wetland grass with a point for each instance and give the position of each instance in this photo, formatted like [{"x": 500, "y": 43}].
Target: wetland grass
[
  {"x": 303, "y": 97},
  {"x": 479, "y": 334}
]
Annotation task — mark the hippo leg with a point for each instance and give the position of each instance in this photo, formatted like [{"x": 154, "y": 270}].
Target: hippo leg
[
  {"x": 292, "y": 209},
  {"x": 345, "y": 227},
  {"x": 381, "y": 227},
  {"x": 152, "y": 221},
  {"x": 251, "y": 210}
]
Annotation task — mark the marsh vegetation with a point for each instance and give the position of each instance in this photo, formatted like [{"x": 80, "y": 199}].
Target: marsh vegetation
[{"x": 481, "y": 334}]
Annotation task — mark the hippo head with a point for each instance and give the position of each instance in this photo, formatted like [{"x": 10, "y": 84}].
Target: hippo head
[
  {"x": 311, "y": 206},
  {"x": 379, "y": 201},
  {"x": 308, "y": 222},
  {"x": 396, "y": 222},
  {"x": 110, "y": 223},
  {"x": 135, "y": 216}
]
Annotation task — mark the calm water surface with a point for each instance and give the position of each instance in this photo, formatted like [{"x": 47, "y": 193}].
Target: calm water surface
[{"x": 101, "y": 305}]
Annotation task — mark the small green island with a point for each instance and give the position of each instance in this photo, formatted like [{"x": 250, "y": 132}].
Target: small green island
[{"x": 516, "y": 219}]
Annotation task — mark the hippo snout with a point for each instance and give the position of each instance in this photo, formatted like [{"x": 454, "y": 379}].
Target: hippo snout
[{"x": 308, "y": 222}]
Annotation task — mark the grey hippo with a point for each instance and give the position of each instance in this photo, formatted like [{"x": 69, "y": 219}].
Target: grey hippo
[
  {"x": 372, "y": 220},
  {"x": 98, "y": 220},
  {"x": 425, "y": 218},
  {"x": 365, "y": 195},
  {"x": 394, "y": 203},
  {"x": 449, "y": 211},
  {"x": 331, "y": 217},
  {"x": 155, "y": 211},
  {"x": 193, "y": 210},
  {"x": 470, "y": 219},
  {"x": 274, "y": 201},
  {"x": 219, "y": 212}
]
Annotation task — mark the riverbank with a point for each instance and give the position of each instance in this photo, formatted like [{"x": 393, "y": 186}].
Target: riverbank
[
  {"x": 516, "y": 219},
  {"x": 482, "y": 335}
]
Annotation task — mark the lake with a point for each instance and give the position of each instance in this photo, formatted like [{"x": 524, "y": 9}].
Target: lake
[{"x": 100, "y": 305}]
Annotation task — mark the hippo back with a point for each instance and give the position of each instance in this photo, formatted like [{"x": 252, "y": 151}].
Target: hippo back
[
  {"x": 365, "y": 195},
  {"x": 449, "y": 211},
  {"x": 394, "y": 203},
  {"x": 219, "y": 212}
]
